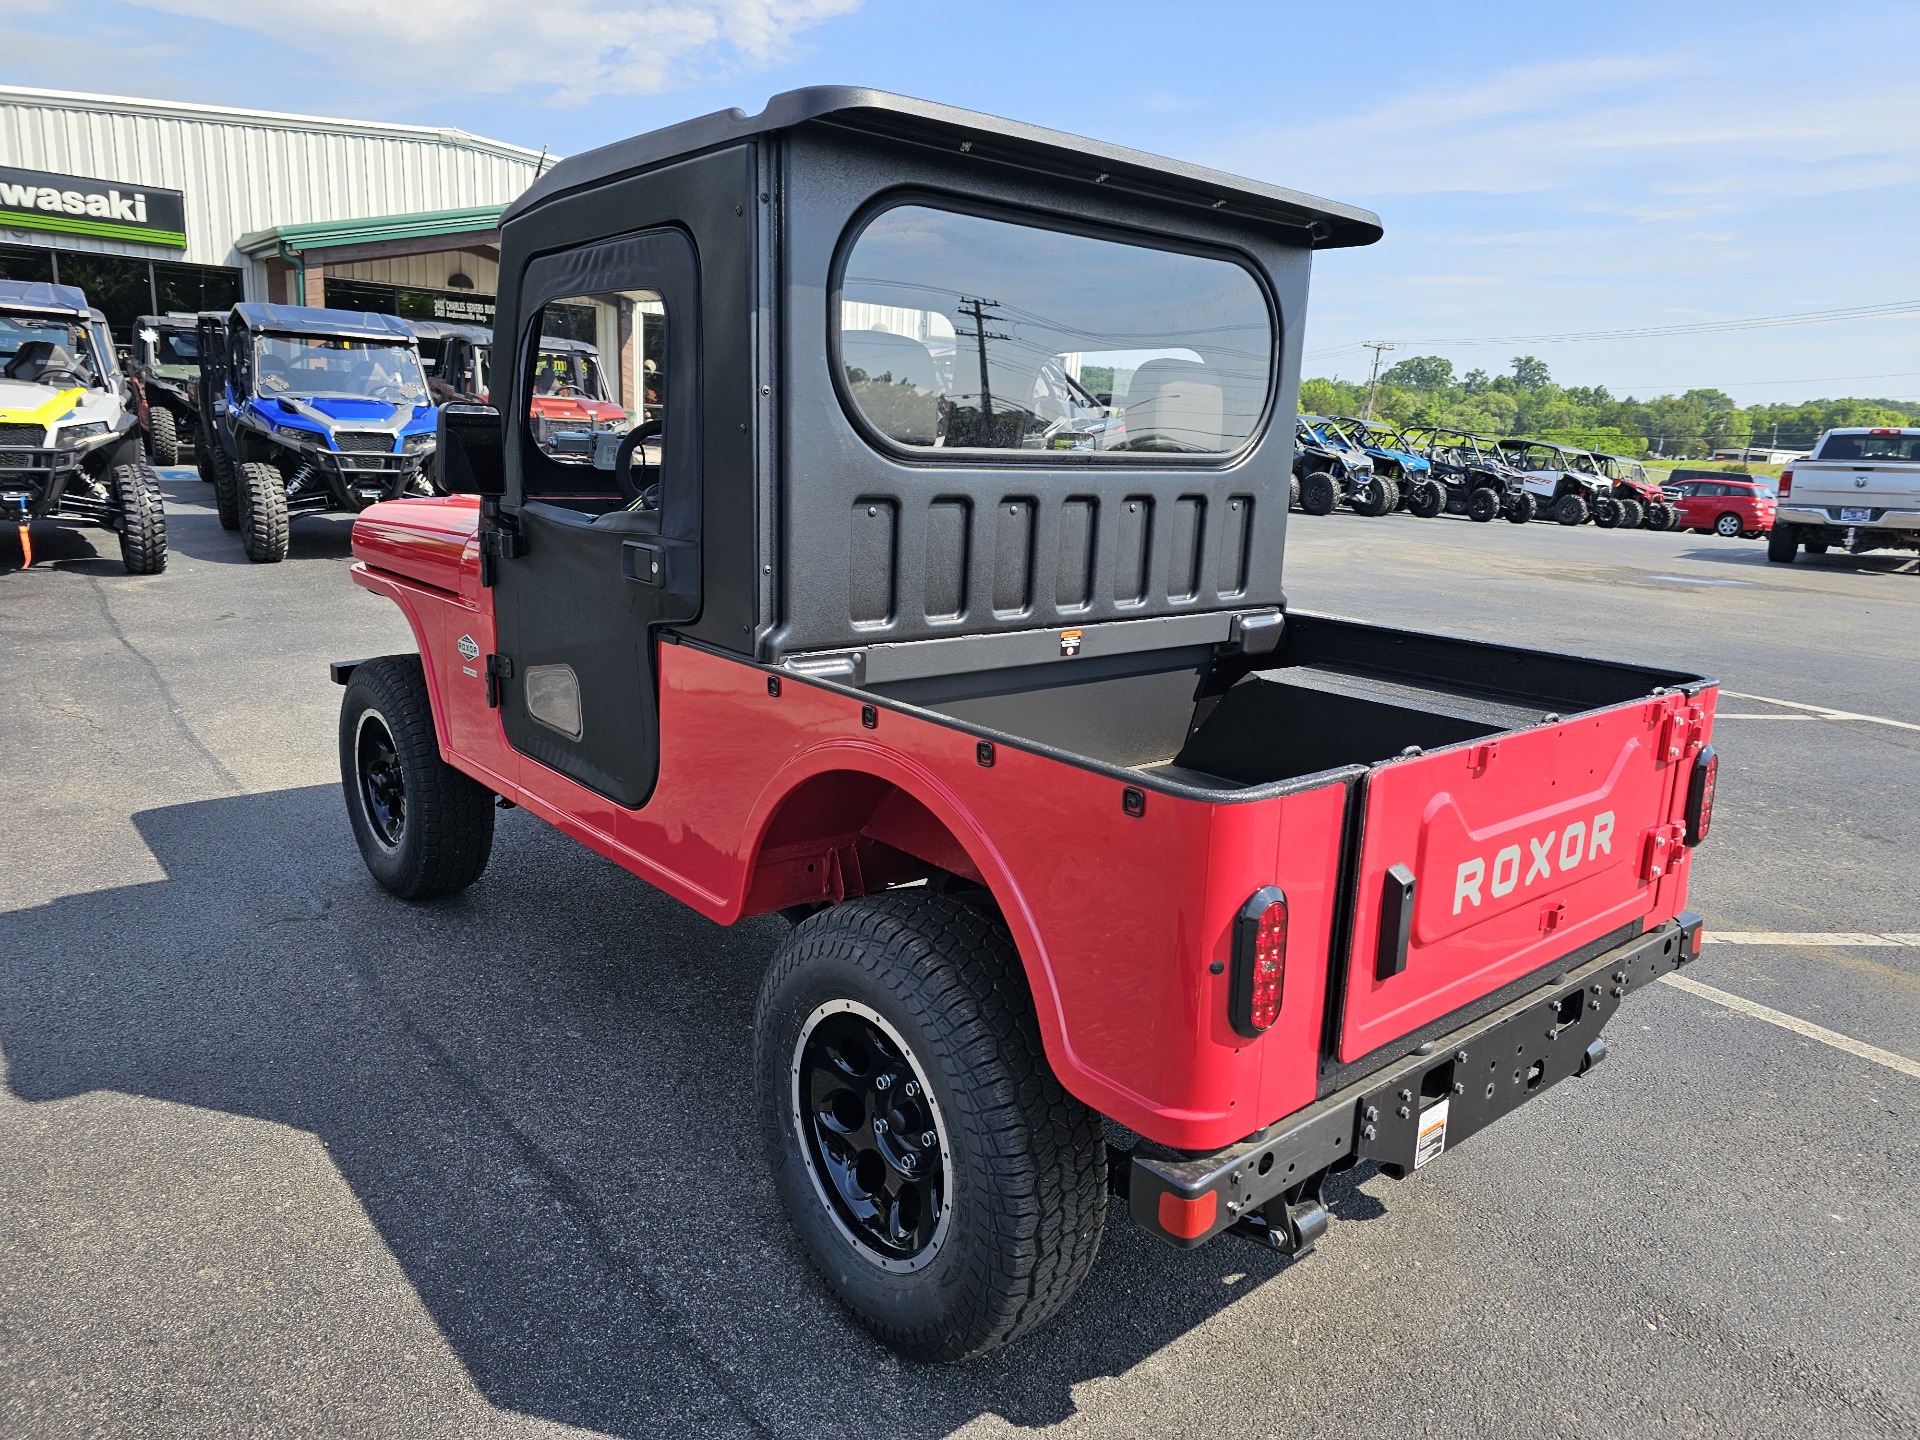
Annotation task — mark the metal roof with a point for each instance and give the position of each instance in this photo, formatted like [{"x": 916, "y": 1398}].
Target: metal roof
[
  {"x": 308, "y": 320},
  {"x": 986, "y": 137},
  {"x": 446, "y": 329},
  {"x": 39, "y": 295},
  {"x": 324, "y": 234}
]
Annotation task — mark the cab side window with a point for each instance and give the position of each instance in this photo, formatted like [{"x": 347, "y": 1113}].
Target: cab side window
[{"x": 596, "y": 386}]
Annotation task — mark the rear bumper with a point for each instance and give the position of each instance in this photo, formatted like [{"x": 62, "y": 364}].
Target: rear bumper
[
  {"x": 1413, "y": 1110},
  {"x": 1828, "y": 518}
]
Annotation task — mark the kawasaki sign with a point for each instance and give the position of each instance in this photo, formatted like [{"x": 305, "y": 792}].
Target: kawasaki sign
[{"x": 104, "y": 209}]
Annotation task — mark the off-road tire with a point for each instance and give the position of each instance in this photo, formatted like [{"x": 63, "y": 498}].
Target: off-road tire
[
  {"x": 1372, "y": 497},
  {"x": 163, "y": 438},
  {"x": 1607, "y": 513},
  {"x": 1319, "y": 494},
  {"x": 1571, "y": 510},
  {"x": 218, "y": 470},
  {"x": 1632, "y": 512},
  {"x": 1293, "y": 492},
  {"x": 1521, "y": 509},
  {"x": 263, "y": 512},
  {"x": 1727, "y": 526},
  {"x": 1659, "y": 516},
  {"x": 1025, "y": 1162},
  {"x": 1783, "y": 543},
  {"x": 1483, "y": 505},
  {"x": 143, "y": 518},
  {"x": 1426, "y": 499},
  {"x": 446, "y": 830}
]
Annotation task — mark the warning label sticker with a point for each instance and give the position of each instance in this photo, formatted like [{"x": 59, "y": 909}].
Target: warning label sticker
[{"x": 1433, "y": 1134}]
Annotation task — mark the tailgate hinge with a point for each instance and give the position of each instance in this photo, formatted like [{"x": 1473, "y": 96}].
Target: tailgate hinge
[
  {"x": 499, "y": 667},
  {"x": 1665, "y": 844}
]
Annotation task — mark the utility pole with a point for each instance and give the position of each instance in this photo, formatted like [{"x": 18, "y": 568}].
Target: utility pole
[
  {"x": 1379, "y": 348},
  {"x": 976, "y": 308}
]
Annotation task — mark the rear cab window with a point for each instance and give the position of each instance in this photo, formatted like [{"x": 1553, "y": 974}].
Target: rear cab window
[
  {"x": 964, "y": 332},
  {"x": 1888, "y": 445}
]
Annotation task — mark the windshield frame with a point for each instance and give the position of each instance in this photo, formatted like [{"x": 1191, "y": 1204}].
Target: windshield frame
[
  {"x": 87, "y": 351},
  {"x": 261, "y": 338},
  {"x": 1058, "y": 223}
]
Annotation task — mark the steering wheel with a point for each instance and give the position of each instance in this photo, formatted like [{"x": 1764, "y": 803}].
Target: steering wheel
[
  {"x": 635, "y": 497},
  {"x": 567, "y": 387}
]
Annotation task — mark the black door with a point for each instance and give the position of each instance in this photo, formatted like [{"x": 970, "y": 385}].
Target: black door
[{"x": 604, "y": 497}]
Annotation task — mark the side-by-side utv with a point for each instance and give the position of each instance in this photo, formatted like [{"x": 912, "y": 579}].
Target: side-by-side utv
[
  {"x": 308, "y": 411},
  {"x": 1398, "y": 460},
  {"x": 1477, "y": 482},
  {"x": 1077, "y": 817},
  {"x": 164, "y": 365},
  {"x": 70, "y": 445}
]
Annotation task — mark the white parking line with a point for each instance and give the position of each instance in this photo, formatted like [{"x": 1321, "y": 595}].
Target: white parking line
[
  {"x": 1747, "y": 715},
  {"x": 1808, "y": 937},
  {"x": 1797, "y": 1025},
  {"x": 1824, "y": 712}
]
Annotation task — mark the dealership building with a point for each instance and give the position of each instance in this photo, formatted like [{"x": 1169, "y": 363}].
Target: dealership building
[{"x": 154, "y": 205}]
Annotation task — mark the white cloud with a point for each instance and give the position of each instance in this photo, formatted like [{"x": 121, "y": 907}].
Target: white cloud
[{"x": 569, "y": 51}]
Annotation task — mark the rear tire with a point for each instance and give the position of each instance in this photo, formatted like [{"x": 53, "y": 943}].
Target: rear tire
[
  {"x": 1426, "y": 499},
  {"x": 226, "y": 487},
  {"x": 1570, "y": 510},
  {"x": 1318, "y": 493},
  {"x": 1632, "y": 513},
  {"x": 143, "y": 518},
  {"x": 1483, "y": 506},
  {"x": 163, "y": 437},
  {"x": 263, "y": 512},
  {"x": 1659, "y": 516},
  {"x": 424, "y": 828},
  {"x": 1727, "y": 526},
  {"x": 1783, "y": 542},
  {"x": 1522, "y": 509},
  {"x": 930, "y": 992}
]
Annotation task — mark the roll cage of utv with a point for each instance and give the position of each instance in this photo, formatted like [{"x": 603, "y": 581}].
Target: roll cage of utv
[
  {"x": 1399, "y": 461},
  {"x": 70, "y": 444},
  {"x": 1476, "y": 481},
  {"x": 163, "y": 363},
  {"x": 1330, "y": 470},
  {"x": 454, "y": 355},
  {"x": 310, "y": 411},
  {"x": 1564, "y": 480}
]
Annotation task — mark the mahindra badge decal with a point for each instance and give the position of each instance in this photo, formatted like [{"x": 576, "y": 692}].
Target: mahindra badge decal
[{"x": 469, "y": 648}]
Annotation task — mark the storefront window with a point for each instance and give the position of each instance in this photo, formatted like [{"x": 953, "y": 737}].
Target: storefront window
[
  {"x": 195, "y": 287},
  {"x": 19, "y": 263},
  {"x": 370, "y": 297}
]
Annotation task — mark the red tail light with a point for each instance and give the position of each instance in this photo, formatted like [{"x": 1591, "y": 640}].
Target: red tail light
[
  {"x": 1259, "y": 962},
  {"x": 1786, "y": 483},
  {"x": 1706, "y": 769}
]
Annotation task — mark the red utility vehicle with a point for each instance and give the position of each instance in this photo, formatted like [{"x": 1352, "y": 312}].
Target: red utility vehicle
[
  {"x": 1075, "y": 817},
  {"x": 1733, "y": 508}
]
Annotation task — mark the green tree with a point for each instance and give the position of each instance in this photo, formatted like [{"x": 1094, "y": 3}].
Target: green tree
[{"x": 1530, "y": 372}]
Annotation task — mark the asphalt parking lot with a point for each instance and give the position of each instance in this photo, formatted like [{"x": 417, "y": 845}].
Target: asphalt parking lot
[{"x": 280, "y": 1155}]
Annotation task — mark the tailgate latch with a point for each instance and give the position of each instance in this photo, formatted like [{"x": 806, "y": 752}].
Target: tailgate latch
[{"x": 1662, "y": 851}]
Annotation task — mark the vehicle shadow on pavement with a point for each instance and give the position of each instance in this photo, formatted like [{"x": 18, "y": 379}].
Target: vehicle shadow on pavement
[
  {"x": 64, "y": 547},
  {"x": 194, "y": 532},
  {"x": 540, "y": 1094},
  {"x": 1752, "y": 555}
]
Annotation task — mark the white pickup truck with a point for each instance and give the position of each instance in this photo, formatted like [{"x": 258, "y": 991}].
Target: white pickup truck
[{"x": 1860, "y": 490}]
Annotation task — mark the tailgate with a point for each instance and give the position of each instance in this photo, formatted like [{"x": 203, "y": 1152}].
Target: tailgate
[
  {"x": 1875, "y": 484},
  {"x": 1486, "y": 861}
]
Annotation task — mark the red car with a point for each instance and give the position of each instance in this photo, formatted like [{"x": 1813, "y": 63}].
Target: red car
[
  {"x": 1732, "y": 507},
  {"x": 1074, "y": 818}
]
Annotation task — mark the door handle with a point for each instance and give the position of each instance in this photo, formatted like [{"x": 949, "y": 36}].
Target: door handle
[{"x": 643, "y": 563}]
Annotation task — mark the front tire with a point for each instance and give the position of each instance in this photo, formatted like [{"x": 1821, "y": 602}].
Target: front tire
[
  {"x": 424, "y": 828},
  {"x": 263, "y": 512},
  {"x": 1606, "y": 512},
  {"x": 1570, "y": 509},
  {"x": 1783, "y": 543},
  {"x": 143, "y": 518},
  {"x": 163, "y": 436},
  {"x": 1522, "y": 509},
  {"x": 1318, "y": 493},
  {"x": 1483, "y": 506},
  {"x": 882, "y": 1022},
  {"x": 1426, "y": 499},
  {"x": 1371, "y": 498}
]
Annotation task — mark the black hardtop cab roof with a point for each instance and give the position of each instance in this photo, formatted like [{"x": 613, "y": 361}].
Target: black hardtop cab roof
[
  {"x": 333, "y": 324},
  {"x": 45, "y": 298},
  {"x": 1319, "y": 224},
  {"x": 177, "y": 320}
]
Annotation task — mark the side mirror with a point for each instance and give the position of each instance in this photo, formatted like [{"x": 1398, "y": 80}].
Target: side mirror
[{"x": 469, "y": 451}]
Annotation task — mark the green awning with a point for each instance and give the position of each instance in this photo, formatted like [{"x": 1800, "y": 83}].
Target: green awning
[{"x": 329, "y": 234}]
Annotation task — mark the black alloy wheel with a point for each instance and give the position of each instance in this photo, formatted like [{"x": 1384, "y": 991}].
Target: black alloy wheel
[
  {"x": 1482, "y": 506},
  {"x": 874, "y": 1143},
  {"x": 382, "y": 786}
]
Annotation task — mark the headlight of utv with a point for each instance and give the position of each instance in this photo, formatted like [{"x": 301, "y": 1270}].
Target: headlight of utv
[
  {"x": 296, "y": 434},
  {"x": 416, "y": 444},
  {"x": 70, "y": 435}
]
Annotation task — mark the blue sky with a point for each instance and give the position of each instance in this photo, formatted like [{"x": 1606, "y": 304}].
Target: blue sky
[{"x": 1541, "y": 169}]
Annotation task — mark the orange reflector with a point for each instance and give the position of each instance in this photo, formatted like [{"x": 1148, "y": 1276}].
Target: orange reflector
[{"x": 1188, "y": 1219}]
